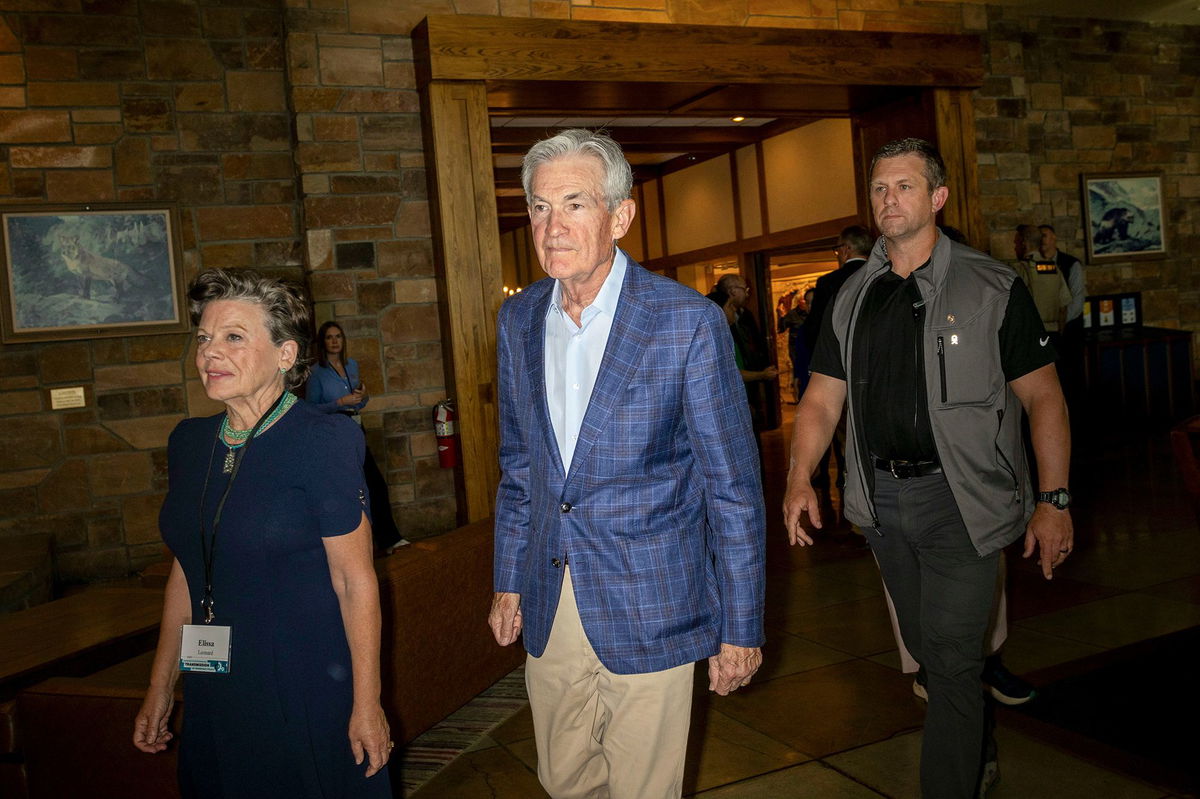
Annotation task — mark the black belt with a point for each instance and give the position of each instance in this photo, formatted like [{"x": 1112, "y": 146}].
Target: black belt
[{"x": 902, "y": 470}]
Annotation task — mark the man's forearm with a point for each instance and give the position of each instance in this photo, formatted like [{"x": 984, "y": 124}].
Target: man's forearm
[{"x": 1050, "y": 432}]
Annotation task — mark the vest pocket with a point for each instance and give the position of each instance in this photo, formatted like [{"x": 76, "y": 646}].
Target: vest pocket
[
  {"x": 968, "y": 364},
  {"x": 941, "y": 350}
]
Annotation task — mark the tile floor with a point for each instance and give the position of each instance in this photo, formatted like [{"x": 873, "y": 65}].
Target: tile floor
[{"x": 830, "y": 715}]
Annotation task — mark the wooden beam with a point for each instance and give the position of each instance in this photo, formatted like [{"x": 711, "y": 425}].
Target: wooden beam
[
  {"x": 806, "y": 234},
  {"x": 665, "y": 138},
  {"x": 955, "y": 119},
  {"x": 466, "y": 47},
  {"x": 467, "y": 247}
]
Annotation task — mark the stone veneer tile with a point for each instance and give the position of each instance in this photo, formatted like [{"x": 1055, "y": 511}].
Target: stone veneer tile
[
  {"x": 109, "y": 378},
  {"x": 34, "y": 126},
  {"x": 30, "y": 442},
  {"x": 387, "y": 17},
  {"x": 60, "y": 157},
  {"x": 91, "y": 440},
  {"x": 139, "y": 516},
  {"x": 200, "y": 97},
  {"x": 350, "y": 66},
  {"x": 22, "y": 479},
  {"x": 15, "y": 402},
  {"x": 72, "y": 93},
  {"x": 121, "y": 473},
  {"x": 61, "y": 363},
  {"x": 181, "y": 59},
  {"x": 80, "y": 185},
  {"x": 65, "y": 488},
  {"x": 145, "y": 432},
  {"x": 236, "y": 222},
  {"x": 255, "y": 91}
]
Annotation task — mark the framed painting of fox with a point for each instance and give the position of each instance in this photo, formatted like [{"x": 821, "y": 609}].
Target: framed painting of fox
[{"x": 86, "y": 272}]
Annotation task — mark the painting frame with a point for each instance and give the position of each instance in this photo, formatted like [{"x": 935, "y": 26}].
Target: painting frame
[
  {"x": 102, "y": 270},
  {"x": 1123, "y": 216}
]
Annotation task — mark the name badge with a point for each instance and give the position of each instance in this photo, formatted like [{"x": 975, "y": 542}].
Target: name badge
[{"x": 204, "y": 647}]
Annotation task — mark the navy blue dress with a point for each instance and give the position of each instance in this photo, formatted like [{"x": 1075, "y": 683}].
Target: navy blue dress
[{"x": 276, "y": 725}]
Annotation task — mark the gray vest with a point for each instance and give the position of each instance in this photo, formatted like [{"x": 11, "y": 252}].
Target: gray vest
[{"x": 975, "y": 416}]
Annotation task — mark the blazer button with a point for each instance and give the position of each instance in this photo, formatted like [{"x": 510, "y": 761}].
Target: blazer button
[
  {"x": 565, "y": 507},
  {"x": 555, "y": 562}
]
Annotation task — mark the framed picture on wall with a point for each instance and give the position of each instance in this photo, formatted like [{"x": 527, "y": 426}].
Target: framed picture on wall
[
  {"x": 1123, "y": 216},
  {"x": 90, "y": 271}
]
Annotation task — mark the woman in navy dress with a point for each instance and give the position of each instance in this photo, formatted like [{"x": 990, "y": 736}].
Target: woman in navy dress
[{"x": 267, "y": 518}]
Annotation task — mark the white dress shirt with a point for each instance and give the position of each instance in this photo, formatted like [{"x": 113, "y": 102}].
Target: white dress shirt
[{"x": 573, "y": 354}]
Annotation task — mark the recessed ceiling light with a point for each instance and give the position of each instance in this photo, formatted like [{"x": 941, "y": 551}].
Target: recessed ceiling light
[{"x": 738, "y": 119}]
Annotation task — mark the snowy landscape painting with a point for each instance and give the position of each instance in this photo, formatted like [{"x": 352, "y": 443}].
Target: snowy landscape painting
[
  {"x": 96, "y": 272},
  {"x": 1123, "y": 216}
]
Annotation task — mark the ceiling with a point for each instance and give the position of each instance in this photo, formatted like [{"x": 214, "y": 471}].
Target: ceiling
[{"x": 663, "y": 127}]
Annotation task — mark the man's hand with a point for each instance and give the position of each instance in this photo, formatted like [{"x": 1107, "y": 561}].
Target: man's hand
[
  {"x": 732, "y": 667},
  {"x": 505, "y": 617},
  {"x": 1051, "y": 531},
  {"x": 800, "y": 497}
]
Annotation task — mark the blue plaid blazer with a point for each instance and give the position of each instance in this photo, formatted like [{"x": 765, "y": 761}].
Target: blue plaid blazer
[{"x": 661, "y": 516}]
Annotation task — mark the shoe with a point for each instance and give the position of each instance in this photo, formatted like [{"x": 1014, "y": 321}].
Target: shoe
[
  {"x": 989, "y": 778},
  {"x": 1006, "y": 687},
  {"x": 919, "y": 685},
  {"x": 403, "y": 542}
]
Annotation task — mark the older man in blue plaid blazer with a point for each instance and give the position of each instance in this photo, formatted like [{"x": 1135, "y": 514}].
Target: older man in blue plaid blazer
[{"x": 629, "y": 518}]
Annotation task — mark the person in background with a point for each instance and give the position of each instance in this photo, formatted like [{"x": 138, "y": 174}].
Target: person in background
[
  {"x": 852, "y": 250},
  {"x": 1070, "y": 361},
  {"x": 1044, "y": 280},
  {"x": 272, "y": 604},
  {"x": 792, "y": 322},
  {"x": 335, "y": 387}
]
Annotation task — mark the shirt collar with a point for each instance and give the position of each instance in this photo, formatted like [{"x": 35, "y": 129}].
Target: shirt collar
[{"x": 610, "y": 291}]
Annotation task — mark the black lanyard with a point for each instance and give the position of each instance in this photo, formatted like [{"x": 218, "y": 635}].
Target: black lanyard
[{"x": 208, "y": 544}]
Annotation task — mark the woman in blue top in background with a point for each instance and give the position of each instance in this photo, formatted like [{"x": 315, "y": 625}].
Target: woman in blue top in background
[{"x": 334, "y": 386}]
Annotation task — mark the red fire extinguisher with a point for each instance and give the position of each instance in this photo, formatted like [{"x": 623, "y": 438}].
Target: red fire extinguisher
[{"x": 444, "y": 418}]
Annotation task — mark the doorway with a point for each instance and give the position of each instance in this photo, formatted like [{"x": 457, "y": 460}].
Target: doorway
[{"x": 469, "y": 67}]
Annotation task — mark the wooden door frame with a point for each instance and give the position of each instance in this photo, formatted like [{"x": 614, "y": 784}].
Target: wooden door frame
[{"x": 456, "y": 55}]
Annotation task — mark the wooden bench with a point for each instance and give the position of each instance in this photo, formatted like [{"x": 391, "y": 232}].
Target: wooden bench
[
  {"x": 438, "y": 654},
  {"x": 76, "y": 635}
]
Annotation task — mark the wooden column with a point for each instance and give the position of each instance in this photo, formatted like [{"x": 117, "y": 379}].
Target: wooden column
[
  {"x": 466, "y": 237},
  {"x": 954, "y": 115}
]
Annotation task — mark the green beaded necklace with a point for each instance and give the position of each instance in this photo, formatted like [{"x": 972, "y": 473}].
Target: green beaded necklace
[{"x": 227, "y": 433}]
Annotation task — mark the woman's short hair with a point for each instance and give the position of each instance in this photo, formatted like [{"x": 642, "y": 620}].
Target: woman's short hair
[
  {"x": 617, "y": 179},
  {"x": 319, "y": 343},
  {"x": 286, "y": 307}
]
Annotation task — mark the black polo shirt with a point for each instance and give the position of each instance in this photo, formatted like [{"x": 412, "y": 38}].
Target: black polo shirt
[{"x": 888, "y": 339}]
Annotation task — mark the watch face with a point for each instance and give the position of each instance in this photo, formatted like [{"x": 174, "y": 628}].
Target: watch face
[{"x": 1059, "y": 498}]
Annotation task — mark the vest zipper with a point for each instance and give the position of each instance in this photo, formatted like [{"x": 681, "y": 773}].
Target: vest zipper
[{"x": 941, "y": 351}]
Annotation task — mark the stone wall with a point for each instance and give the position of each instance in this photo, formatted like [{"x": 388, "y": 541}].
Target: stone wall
[
  {"x": 308, "y": 169},
  {"x": 289, "y": 134},
  {"x": 1069, "y": 97}
]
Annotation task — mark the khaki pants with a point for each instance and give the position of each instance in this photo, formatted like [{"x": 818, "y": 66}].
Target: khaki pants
[{"x": 602, "y": 735}]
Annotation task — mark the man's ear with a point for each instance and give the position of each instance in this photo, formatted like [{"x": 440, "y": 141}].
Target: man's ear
[
  {"x": 940, "y": 195},
  {"x": 623, "y": 218}
]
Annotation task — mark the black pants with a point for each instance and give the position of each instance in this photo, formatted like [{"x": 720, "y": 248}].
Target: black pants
[
  {"x": 943, "y": 592},
  {"x": 384, "y": 532}
]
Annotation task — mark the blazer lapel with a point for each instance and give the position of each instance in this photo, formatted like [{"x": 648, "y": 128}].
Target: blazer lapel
[
  {"x": 535, "y": 357},
  {"x": 627, "y": 340}
]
